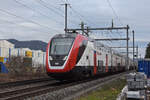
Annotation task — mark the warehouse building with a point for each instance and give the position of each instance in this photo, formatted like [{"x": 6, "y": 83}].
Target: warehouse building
[
  {"x": 8, "y": 49},
  {"x": 6, "y": 44},
  {"x": 5, "y": 48}
]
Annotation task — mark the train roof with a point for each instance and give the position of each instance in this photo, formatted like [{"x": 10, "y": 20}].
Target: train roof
[
  {"x": 65, "y": 35},
  {"x": 98, "y": 44}
]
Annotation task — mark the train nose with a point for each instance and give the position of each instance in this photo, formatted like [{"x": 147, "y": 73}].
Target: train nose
[{"x": 57, "y": 60}]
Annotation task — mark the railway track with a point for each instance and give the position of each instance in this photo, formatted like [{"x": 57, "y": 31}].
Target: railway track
[
  {"x": 32, "y": 89},
  {"x": 19, "y": 83},
  {"x": 12, "y": 89}
]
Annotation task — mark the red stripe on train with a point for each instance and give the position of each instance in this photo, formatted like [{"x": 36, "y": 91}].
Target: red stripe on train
[
  {"x": 47, "y": 52},
  {"x": 95, "y": 64},
  {"x": 106, "y": 63}
]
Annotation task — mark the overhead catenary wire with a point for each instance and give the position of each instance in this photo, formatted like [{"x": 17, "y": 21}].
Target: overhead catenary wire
[
  {"x": 44, "y": 4},
  {"x": 52, "y": 5},
  {"x": 30, "y": 8},
  {"x": 41, "y": 2},
  {"x": 113, "y": 10},
  {"x": 28, "y": 20},
  {"x": 116, "y": 15},
  {"x": 17, "y": 24},
  {"x": 81, "y": 17}
]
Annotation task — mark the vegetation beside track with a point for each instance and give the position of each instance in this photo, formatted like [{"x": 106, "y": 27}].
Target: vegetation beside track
[
  {"x": 4, "y": 78},
  {"x": 108, "y": 91},
  {"x": 20, "y": 70}
]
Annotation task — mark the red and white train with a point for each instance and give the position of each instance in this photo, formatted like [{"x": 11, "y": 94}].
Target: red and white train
[{"x": 74, "y": 56}]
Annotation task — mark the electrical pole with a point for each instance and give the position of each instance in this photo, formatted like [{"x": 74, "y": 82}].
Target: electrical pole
[
  {"x": 66, "y": 17},
  {"x": 82, "y": 27},
  {"x": 137, "y": 52},
  {"x": 66, "y": 5},
  {"x": 133, "y": 45},
  {"x": 88, "y": 31},
  {"x": 127, "y": 59},
  {"x": 112, "y": 23}
]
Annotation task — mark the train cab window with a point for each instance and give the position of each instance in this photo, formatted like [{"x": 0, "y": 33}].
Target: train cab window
[
  {"x": 61, "y": 46},
  {"x": 85, "y": 42}
]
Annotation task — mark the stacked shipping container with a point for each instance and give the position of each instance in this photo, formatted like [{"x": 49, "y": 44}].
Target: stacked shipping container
[{"x": 144, "y": 66}]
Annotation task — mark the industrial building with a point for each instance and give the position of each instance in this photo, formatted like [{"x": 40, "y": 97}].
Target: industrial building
[{"x": 8, "y": 49}]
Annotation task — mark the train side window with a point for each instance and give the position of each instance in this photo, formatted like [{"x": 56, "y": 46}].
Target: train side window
[
  {"x": 98, "y": 63},
  {"x": 87, "y": 57}
]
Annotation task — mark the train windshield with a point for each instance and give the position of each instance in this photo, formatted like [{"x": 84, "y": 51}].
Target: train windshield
[{"x": 61, "y": 46}]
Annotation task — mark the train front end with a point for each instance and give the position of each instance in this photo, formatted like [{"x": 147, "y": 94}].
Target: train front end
[{"x": 61, "y": 55}]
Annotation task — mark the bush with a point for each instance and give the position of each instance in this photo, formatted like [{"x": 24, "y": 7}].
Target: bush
[
  {"x": 16, "y": 65},
  {"x": 20, "y": 68}
]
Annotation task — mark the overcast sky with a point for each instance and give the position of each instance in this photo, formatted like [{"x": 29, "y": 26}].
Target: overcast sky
[{"x": 41, "y": 19}]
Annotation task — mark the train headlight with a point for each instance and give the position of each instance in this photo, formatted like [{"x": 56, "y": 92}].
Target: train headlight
[
  {"x": 50, "y": 58},
  {"x": 65, "y": 58}
]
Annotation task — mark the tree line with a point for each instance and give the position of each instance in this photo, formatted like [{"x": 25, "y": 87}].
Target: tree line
[{"x": 147, "y": 54}]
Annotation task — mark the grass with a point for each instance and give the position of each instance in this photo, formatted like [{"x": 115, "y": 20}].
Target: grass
[{"x": 108, "y": 91}]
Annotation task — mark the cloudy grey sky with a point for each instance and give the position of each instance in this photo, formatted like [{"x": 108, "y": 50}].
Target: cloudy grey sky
[{"x": 41, "y": 19}]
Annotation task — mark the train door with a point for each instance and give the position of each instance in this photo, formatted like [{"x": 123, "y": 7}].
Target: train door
[{"x": 100, "y": 66}]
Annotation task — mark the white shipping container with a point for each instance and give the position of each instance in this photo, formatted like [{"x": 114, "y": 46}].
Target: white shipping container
[{"x": 38, "y": 58}]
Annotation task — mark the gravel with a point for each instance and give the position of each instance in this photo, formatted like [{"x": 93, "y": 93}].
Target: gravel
[{"x": 75, "y": 91}]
